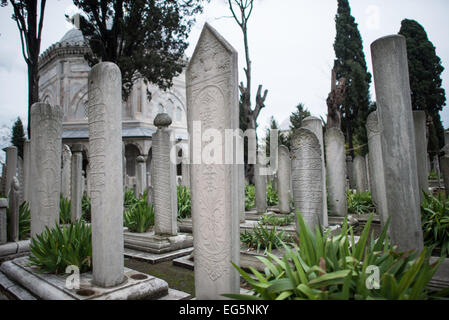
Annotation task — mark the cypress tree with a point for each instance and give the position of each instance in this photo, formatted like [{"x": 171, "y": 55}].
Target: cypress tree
[
  {"x": 350, "y": 63},
  {"x": 18, "y": 136},
  {"x": 425, "y": 80}
]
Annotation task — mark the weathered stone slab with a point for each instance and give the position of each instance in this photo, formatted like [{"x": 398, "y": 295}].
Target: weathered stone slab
[
  {"x": 419, "y": 121},
  {"x": 212, "y": 100},
  {"x": 26, "y": 170},
  {"x": 11, "y": 165},
  {"x": 336, "y": 171},
  {"x": 444, "y": 163},
  {"x": 350, "y": 172},
  {"x": 76, "y": 183},
  {"x": 307, "y": 176},
  {"x": 45, "y": 171},
  {"x": 154, "y": 258},
  {"x": 14, "y": 202},
  {"x": 3, "y": 219},
  {"x": 66, "y": 171},
  {"x": 141, "y": 175},
  {"x": 359, "y": 171},
  {"x": 154, "y": 243},
  {"x": 260, "y": 184},
  {"x": 394, "y": 110},
  {"x": 284, "y": 176},
  {"x": 105, "y": 179}
]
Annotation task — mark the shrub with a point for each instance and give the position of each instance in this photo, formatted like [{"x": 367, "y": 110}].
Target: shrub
[
  {"x": 55, "y": 249},
  {"x": 129, "y": 199},
  {"x": 433, "y": 175},
  {"x": 184, "y": 203},
  {"x": 435, "y": 222},
  {"x": 139, "y": 218},
  {"x": 323, "y": 268},
  {"x": 250, "y": 197},
  {"x": 360, "y": 203},
  {"x": 272, "y": 195},
  {"x": 276, "y": 220},
  {"x": 262, "y": 237},
  {"x": 64, "y": 210},
  {"x": 86, "y": 208}
]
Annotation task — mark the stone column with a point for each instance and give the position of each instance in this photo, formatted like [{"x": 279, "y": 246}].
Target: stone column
[
  {"x": 13, "y": 198},
  {"x": 376, "y": 167},
  {"x": 316, "y": 126},
  {"x": 141, "y": 175},
  {"x": 45, "y": 171},
  {"x": 76, "y": 182},
  {"x": 444, "y": 163},
  {"x": 106, "y": 185},
  {"x": 336, "y": 171},
  {"x": 20, "y": 174},
  {"x": 419, "y": 121},
  {"x": 359, "y": 171},
  {"x": 212, "y": 101},
  {"x": 390, "y": 65},
  {"x": 350, "y": 172},
  {"x": 164, "y": 178},
  {"x": 66, "y": 171},
  {"x": 3, "y": 226},
  {"x": 11, "y": 165},
  {"x": 284, "y": 175},
  {"x": 26, "y": 170},
  {"x": 307, "y": 176},
  {"x": 260, "y": 184}
]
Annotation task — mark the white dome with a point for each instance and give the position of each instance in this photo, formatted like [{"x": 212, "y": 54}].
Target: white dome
[{"x": 73, "y": 36}]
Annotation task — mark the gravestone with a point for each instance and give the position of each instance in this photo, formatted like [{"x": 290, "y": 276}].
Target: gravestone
[
  {"x": 3, "y": 180},
  {"x": 45, "y": 166},
  {"x": 76, "y": 182},
  {"x": 419, "y": 121},
  {"x": 376, "y": 168},
  {"x": 164, "y": 178},
  {"x": 14, "y": 202},
  {"x": 3, "y": 219},
  {"x": 359, "y": 171},
  {"x": 350, "y": 172},
  {"x": 20, "y": 177},
  {"x": 284, "y": 175},
  {"x": 66, "y": 171},
  {"x": 444, "y": 163},
  {"x": 336, "y": 171},
  {"x": 241, "y": 185},
  {"x": 26, "y": 170},
  {"x": 260, "y": 184},
  {"x": 368, "y": 183},
  {"x": 307, "y": 176},
  {"x": 124, "y": 165},
  {"x": 11, "y": 165},
  {"x": 315, "y": 125},
  {"x": 185, "y": 168},
  {"x": 394, "y": 110},
  {"x": 141, "y": 175},
  {"x": 212, "y": 99},
  {"x": 150, "y": 200},
  {"x": 105, "y": 179}
]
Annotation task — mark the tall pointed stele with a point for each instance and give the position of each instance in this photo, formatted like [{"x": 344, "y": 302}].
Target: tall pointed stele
[
  {"x": 106, "y": 180},
  {"x": 212, "y": 100}
]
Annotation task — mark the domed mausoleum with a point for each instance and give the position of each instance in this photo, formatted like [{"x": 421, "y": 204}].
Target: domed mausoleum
[{"x": 63, "y": 77}]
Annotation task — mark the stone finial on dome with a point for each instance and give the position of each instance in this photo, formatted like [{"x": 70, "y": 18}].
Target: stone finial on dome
[{"x": 162, "y": 120}]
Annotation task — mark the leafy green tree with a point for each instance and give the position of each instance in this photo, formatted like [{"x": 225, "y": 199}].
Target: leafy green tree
[
  {"x": 296, "y": 121},
  {"x": 425, "y": 80},
  {"x": 29, "y": 16},
  {"x": 145, "y": 38},
  {"x": 282, "y": 139},
  {"x": 18, "y": 136},
  {"x": 350, "y": 64}
]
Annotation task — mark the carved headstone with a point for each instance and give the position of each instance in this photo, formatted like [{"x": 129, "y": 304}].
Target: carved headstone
[
  {"x": 260, "y": 184},
  {"x": 419, "y": 121},
  {"x": 20, "y": 177},
  {"x": 284, "y": 175},
  {"x": 13, "y": 198},
  {"x": 45, "y": 171},
  {"x": 212, "y": 99},
  {"x": 3, "y": 219},
  {"x": 359, "y": 171},
  {"x": 105, "y": 174},
  {"x": 164, "y": 178},
  {"x": 336, "y": 171},
  {"x": 26, "y": 170},
  {"x": 76, "y": 182},
  {"x": 394, "y": 110},
  {"x": 66, "y": 171},
  {"x": 141, "y": 175},
  {"x": 11, "y": 165},
  {"x": 350, "y": 172},
  {"x": 444, "y": 164},
  {"x": 307, "y": 176}
]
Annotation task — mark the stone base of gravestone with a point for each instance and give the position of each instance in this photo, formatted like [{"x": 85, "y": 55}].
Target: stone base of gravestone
[
  {"x": 138, "y": 286},
  {"x": 154, "y": 258},
  {"x": 13, "y": 249},
  {"x": 150, "y": 242}
]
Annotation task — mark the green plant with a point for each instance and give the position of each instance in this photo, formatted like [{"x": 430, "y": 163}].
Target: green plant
[
  {"x": 64, "y": 210},
  {"x": 86, "y": 208},
  {"x": 140, "y": 217},
  {"x": 272, "y": 195},
  {"x": 262, "y": 237},
  {"x": 435, "y": 221},
  {"x": 55, "y": 249},
  {"x": 360, "y": 203},
  {"x": 276, "y": 220},
  {"x": 321, "y": 267},
  {"x": 433, "y": 175},
  {"x": 250, "y": 197},
  {"x": 184, "y": 203},
  {"x": 24, "y": 221},
  {"x": 129, "y": 199}
]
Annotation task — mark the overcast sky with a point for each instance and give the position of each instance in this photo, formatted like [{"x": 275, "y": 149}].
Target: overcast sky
[{"x": 290, "y": 41}]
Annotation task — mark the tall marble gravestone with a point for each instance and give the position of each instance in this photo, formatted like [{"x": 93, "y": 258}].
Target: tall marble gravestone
[
  {"x": 141, "y": 175},
  {"x": 315, "y": 125},
  {"x": 105, "y": 174},
  {"x": 76, "y": 182},
  {"x": 66, "y": 171},
  {"x": 164, "y": 178},
  {"x": 241, "y": 185},
  {"x": 14, "y": 202},
  {"x": 376, "y": 168},
  {"x": 45, "y": 167},
  {"x": 11, "y": 166},
  {"x": 350, "y": 172},
  {"x": 26, "y": 170},
  {"x": 284, "y": 175},
  {"x": 444, "y": 163},
  {"x": 419, "y": 121},
  {"x": 359, "y": 172},
  {"x": 336, "y": 171},
  {"x": 3, "y": 219},
  {"x": 212, "y": 100},
  {"x": 260, "y": 184},
  {"x": 307, "y": 176},
  {"x": 394, "y": 110}
]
